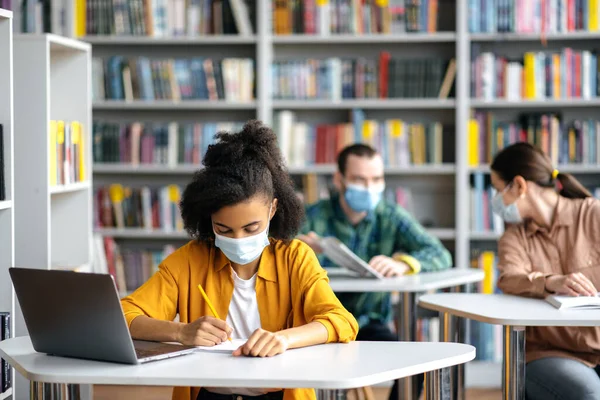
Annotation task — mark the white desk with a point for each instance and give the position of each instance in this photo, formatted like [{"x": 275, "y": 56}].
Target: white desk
[
  {"x": 331, "y": 366},
  {"x": 410, "y": 287},
  {"x": 514, "y": 313}
]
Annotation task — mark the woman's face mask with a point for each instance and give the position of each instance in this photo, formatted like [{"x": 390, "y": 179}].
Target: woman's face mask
[
  {"x": 243, "y": 251},
  {"x": 361, "y": 199},
  {"x": 508, "y": 212}
]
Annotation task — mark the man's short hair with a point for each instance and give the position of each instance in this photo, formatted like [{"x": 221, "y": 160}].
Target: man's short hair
[{"x": 358, "y": 149}]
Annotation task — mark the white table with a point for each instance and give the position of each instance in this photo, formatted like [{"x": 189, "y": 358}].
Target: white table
[
  {"x": 325, "y": 367},
  {"x": 410, "y": 287},
  {"x": 514, "y": 313}
]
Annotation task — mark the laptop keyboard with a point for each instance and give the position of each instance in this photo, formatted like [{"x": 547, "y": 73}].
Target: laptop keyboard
[
  {"x": 157, "y": 349},
  {"x": 144, "y": 353}
]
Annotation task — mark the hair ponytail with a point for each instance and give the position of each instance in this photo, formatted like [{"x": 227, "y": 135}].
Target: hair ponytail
[
  {"x": 571, "y": 187},
  {"x": 526, "y": 160}
]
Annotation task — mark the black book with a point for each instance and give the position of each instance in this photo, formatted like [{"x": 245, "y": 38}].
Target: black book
[
  {"x": 5, "y": 370},
  {"x": 2, "y": 172}
]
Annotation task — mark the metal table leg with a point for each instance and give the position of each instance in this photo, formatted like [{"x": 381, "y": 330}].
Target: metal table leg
[
  {"x": 513, "y": 363},
  {"x": 437, "y": 385},
  {"x": 54, "y": 391},
  {"x": 452, "y": 330},
  {"x": 336, "y": 394},
  {"x": 459, "y": 335},
  {"x": 407, "y": 325}
]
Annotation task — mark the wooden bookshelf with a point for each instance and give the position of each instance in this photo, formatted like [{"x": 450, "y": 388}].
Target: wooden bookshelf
[{"x": 7, "y": 209}]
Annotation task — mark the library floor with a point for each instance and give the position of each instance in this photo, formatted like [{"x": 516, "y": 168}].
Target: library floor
[{"x": 164, "y": 393}]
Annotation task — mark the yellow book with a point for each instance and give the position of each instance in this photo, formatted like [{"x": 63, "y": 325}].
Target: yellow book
[
  {"x": 60, "y": 152},
  {"x": 593, "y": 15},
  {"x": 76, "y": 147},
  {"x": 487, "y": 265},
  {"x": 81, "y": 151},
  {"x": 556, "y": 74},
  {"x": 529, "y": 70},
  {"x": 473, "y": 143},
  {"x": 572, "y": 145},
  {"x": 80, "y": 18},
  {"x": 52, "y": 149}
]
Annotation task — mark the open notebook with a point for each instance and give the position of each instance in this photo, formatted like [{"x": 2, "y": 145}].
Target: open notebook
[
  {"x": 226, "y": 347},
  {"x": 576, "y": 303}
]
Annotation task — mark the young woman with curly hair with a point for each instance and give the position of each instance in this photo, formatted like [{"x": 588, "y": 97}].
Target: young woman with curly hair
[{"x": 242, "y": 212}]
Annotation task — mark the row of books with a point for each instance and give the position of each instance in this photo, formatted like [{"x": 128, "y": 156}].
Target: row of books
[
  {"x": 533, "y": 16},
  {"x": 168, "y": 18},
  {"x": 130, "y": 268},
  {"x": 565, "y": 142},
  {"x": 145, "y": 207},
  {"x": 486, "y": 338},
  {"x": 5, "y": 368},
  {"x": 61, "y": 17},
  {"x": 482, "y": 218},
  {"x": 120, "y": 78},
  {"x": 540, "y": 75},
  {"x": 401, "y": 143},
  {"x": 354, "y": 17},
  {"x": 168, "y": 144},
  {"x": 2, "y": 166},
  {"x": 335, "y": 78},
  {"x": 67, "y": 152}
]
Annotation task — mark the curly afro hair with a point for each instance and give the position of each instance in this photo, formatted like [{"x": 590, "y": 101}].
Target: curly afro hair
[{"x": 238, "y": 167}]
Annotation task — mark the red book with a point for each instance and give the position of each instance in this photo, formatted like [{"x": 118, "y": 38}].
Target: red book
[{"x": 384, "y": 61}]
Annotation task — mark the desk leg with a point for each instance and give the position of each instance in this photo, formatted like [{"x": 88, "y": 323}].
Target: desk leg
[
  {"x": 513, "y": 366},
  {"x": 438, "y": 385},
  {"x": 54, "y": 391},
  {"x": 460, "y": 334},
  {"x": 337, "y": 394},
  {"x": 407, "y": 325},
  {"x": 452, "y": 330}
]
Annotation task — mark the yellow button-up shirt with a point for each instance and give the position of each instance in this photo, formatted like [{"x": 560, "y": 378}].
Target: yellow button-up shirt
[{"x": 291, "y": 290}]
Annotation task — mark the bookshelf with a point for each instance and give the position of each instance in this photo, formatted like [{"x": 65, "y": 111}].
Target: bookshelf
[
  {"x": 56, "y": 71},
  {"x": 7, "y": 213}
]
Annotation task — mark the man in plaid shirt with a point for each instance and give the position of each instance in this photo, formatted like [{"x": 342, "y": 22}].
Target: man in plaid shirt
[{"x": 381, "y": 233}]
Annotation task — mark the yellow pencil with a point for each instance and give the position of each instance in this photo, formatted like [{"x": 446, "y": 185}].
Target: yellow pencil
[{"x": 212, "y": 309}]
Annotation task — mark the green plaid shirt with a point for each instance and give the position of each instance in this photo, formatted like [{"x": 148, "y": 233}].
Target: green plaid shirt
[{"x": 388, "y": 230}]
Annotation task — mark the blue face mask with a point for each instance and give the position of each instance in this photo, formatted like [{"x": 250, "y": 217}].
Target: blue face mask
[
  {"x": 361, "y": 199},
  {"x": 509, "y": 213},
  {"x": 243, "y": 251}
]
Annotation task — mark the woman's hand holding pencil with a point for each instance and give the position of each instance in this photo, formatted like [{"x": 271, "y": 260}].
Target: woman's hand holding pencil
[{"x": 205, "y": 331}]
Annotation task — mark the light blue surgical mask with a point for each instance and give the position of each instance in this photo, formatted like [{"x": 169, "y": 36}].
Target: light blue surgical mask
[
  {"x": 362, "y": 199},
  {"x": 509, "y": 213},
  {"x": 243, "y": 251}
]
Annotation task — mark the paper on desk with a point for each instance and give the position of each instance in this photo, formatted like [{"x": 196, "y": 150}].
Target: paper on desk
[{"x": 226, "y": 346}]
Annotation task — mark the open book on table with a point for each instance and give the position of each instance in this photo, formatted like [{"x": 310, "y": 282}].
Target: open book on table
[
  {"x": 343, "y": 257},
  {"x": 575, "y": 303}
]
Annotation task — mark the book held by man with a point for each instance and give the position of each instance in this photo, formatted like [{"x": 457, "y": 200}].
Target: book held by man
[
  {"x": 574, "y": 303},
  {"x": 343, "y": 257}
]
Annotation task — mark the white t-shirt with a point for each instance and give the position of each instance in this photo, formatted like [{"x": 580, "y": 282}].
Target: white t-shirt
[{"x": 244, "y": 318}]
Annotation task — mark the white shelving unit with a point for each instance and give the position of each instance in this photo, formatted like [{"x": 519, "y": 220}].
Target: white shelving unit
[
  {"x": 53, "y": 224},
  {"x": 7, "y": 211},
  {"x": 53, "y": 75}
]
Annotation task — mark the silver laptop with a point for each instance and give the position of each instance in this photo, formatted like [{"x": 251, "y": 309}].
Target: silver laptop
[{"x": 74, "y": 314}]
